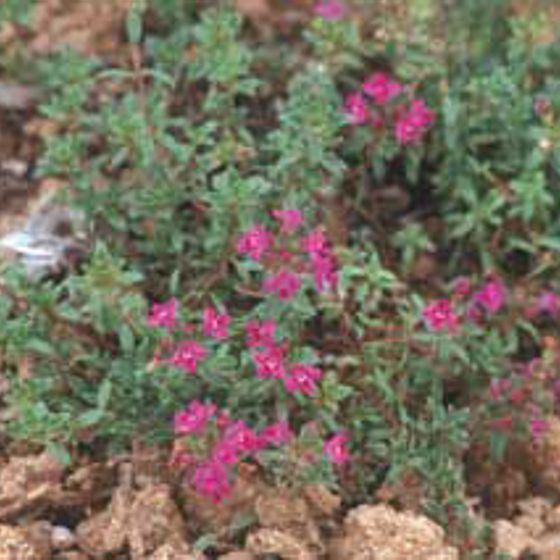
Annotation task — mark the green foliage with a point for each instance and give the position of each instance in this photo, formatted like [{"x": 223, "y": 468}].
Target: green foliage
[{"x": 172, "y": 157}]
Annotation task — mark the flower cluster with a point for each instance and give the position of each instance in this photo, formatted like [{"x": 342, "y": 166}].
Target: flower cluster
[
  {"x": 381, "y": 102},
  {"x": 443, "y": 314},
  {"x": 546, "y": 304},
  {"x": 522, "y": 399},
  {"x": 287, "y": 258},
  {"x": 269, "y": 359},
  {"x": 211, "y": 444},
  {"x": 187, "y": 354},
  {"x": 331, "y": 10}
]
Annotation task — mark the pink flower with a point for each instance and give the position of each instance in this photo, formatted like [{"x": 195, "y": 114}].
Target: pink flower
[
  {"x": 194, "y": 418},
  {"x": 336, "y": 449},
  {"x": 491, "y": 296},
  {"x": 241, "y": 438},
  {"x": 163, "y": 314},
  {"x": 315, "y": 243},
  {"x": 355, "y": 108},
  {"x": 225, "y": 453},
  {"x": 277, "y": 434},
  {"x": 260, "y": 333},
  {"x": 214, "y": 324},
  {"x": 284, "y": 284},
  {"x": 290, "y": 220},
  {"x": 538, "y": 427},
  {"x": 411, "y": 125},
  {"x": 381, "y": 88},
  {"x": 187, "y": 356},
  {"x": 324, "y": 272},
  {"x": 548, "y": 303},
  {"x": 439, "y": 315},
  {"x": 462, "y": 286},
  {"x": 270, "y": 363},
  {"x": 330, "y": 10},
  {"x": 303, "y": 379},
  {"x": 211, "y": 479},
  {"x": 255, "y": 242}
]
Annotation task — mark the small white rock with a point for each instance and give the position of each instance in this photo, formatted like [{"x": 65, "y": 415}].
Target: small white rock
[{"x": 62, "y": 538}]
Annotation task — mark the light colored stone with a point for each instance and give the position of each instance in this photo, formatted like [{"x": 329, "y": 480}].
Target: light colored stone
[
  {"x": 238, "y": 555},
  {"x": 511, "y": 539},
  {"x": 382, "y": 533},
  {"x": 547, "y": 547},
  {"x": 15, "y": 545},
  {"x": 62, "y": 538},
  {"x": 274, "y": 541}
]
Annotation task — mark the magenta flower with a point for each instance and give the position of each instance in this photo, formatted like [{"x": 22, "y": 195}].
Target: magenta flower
[
  {"x": 462, "y": 286},
  {"x": 187, "y": 355},
  {"x": 290, "y": 220},
  {"x": 241, "y": 438},
  {"x": 355, "y": 108},
  {"x": 277, "y": 434},
  {"x": 284, "y": 284},
  {"x": 548, "y": 303},
  {"x": 330, "y": 10},
  {"x": 269, "y": 363},
  {"x": 439, "y": 315},
  {"x": 214, "y": 324},
  {"x": 538, "y": 426},
  {"x": 411, "y": 125},
  {"x": 491, "y": 297},
  {"x": 324, "y": 272},
  {"x": 303, "y": 379},
  {"x": 211, "y": 479},
  {"x": 315, "y": 243},
  {"x": 194, "y": 418},
  {"x": 260, "y": 333},
  {"x": 381, "y": 88},
  {"x": 225, "y": 453},
  {"x": 255, "y": 242},
  {"x": 163, "y": 314},
  {"x": 336, "y": 449}
]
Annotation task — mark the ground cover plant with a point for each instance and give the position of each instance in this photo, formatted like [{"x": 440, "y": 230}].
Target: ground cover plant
[{"x": 328, "y": 251}]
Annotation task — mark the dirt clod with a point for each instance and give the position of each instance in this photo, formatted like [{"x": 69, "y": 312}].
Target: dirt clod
[
  {"x": 280, "y": 543},
  {"x": 16, "y": 545},
  {"x": 28, "y": 484},
  {"x": 511, "y": 539},
  {"x": 381, "y": 533}
]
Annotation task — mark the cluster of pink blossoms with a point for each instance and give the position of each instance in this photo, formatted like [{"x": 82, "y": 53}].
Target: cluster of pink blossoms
[
  {"x": 331, "y": 10},
  {"x": 547, "y": 303},
  {"x": 409, "y": 121},
  {"x": 287, "y": 259},
  {"x": 189, "y": 353},
  {"x": 269, "y": 359},
  {"x": 442, "y": 314},
  {"x": 227, "y": 442}
]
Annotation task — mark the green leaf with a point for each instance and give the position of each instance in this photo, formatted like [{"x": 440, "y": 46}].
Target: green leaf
[
  {"x": 134, "y": 25},
  {"x": 104, "y": 394},
  {"x": 90, "y": 418},
  {"x": 126, "y": 339},
  {"x": 59, "y": 452},
  {"x": 40, "y": 346},
  {"x": 205, "y": 541}
]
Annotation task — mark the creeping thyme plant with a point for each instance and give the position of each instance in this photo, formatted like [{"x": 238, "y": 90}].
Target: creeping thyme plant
[{"x": 252, "y": 289}]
